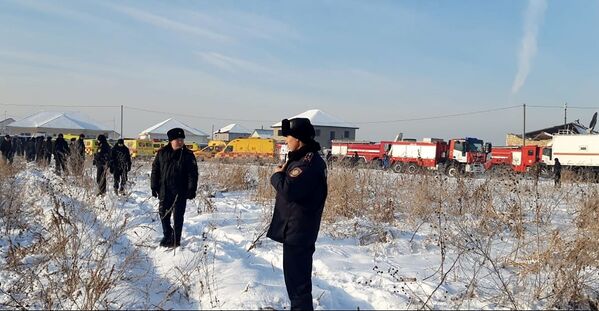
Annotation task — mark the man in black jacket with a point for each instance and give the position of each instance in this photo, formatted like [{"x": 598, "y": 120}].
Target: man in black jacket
[
  {"x": 301, "y": 186},
  {"x": 6, "y": 149},
  {"x": 61, "y": 152},
  {"x": 174, "y": 180},
  {"x": 48, "y": 150},
  {"x": 102, "y": 163},
  {"x": 120, "y": 165},
  {"x": 78, "y": 156}
]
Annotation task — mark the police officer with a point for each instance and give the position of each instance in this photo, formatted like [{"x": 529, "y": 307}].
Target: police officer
[
  {"x": 102, "y": 163},
  {"x": 557, "y": 173},
  {"x": 61, "y": 152},
  {"x": 174, "y": 181},
  {"x": 301, "y": 186},
  {"x": 6, "y": 147},
  {"x": 120, "y": 165}
]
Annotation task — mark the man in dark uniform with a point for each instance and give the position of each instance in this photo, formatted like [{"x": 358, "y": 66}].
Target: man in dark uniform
[
  {"x": 174, "y": 181},
  {"x": 102, "y": 163},
  {"x": 120, "y": 165},
  {"x": 557, "y": 173},
  {"x": 79, "y": 156},
  {"x": 61, "y": 152},
  {"x": 301, "y": 186},
  {"x": 6, "y": 149},
  {"x": 48, "y": 150},
  {"x": 39, "y": 150}
]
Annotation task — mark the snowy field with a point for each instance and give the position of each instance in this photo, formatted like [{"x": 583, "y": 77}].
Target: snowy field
[{"x": 458, "y": 246}]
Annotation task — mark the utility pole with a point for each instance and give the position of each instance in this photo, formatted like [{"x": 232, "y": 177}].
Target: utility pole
[
  {"x": 524, "y": 125},
  {"x": 565, "y": 114},
  {"x": 212, "y": 133},
  {"x": 122, "y": 121}
]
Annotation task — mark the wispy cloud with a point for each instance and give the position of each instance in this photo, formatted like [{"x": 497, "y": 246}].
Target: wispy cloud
[
  {"x": 231, "y": 64},
  {"x": 532, "y": 21},
  {"x": 170, "y": 24}
]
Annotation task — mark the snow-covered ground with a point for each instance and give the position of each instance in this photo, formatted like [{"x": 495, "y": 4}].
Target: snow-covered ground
[{"x": 213, "y": 268}]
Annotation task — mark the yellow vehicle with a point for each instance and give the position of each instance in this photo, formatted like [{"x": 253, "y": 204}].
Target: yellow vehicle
[
  {"x": 68, "y": 137},
  {"x": 214, "y": 147},
  {"x": 251, "y": 147},
  {"x": 157, "y": 144},
  {"x": 91, "y": 146},
  {"x": 193, "y": 147},
  {"x": 140, "y": 147}
]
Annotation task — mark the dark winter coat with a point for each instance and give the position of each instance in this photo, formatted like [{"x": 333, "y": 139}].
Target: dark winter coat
[
  {"x": 6, "y": 148},
  {"x": 301, "y": 194},
  {"x": 49, "y": 148},
  {"x": 80, "y": 148},
  {"x": 120, "y": 159},
  {"x": 174, "y": 173},
  {"x": 61, "y": 148},
  {"x": 102, "y": 156}
]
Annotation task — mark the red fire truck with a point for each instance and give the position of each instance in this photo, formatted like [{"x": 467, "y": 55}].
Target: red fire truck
[
  {"x": 367, "y": 152},
  {"x": 517, "y": 158},
  {"x": 458, "y": 156},
  {"x": 466, "y": 155}
]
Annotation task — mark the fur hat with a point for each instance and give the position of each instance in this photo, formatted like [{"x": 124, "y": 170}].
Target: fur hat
[
  {"x": 300, "y": 128},
  {"x": 175, "y": 133}
]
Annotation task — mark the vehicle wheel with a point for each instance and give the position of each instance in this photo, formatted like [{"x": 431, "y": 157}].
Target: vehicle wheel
[
  {"x": 545, "y": 172},
  {"x": 412, "y": 168},
  {"x": 397, "y": 167},
  {"x": 453, "y": 171}
]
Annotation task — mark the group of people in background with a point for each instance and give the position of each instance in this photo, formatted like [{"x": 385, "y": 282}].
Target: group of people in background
[
  {"x": 69, "y": 157},
  {"x": 41, "y": 149}
]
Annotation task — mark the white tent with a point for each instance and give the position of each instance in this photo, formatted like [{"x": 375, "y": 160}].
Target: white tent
[
  {"x": 159, "y": 131},
  {"x": 53, "y": 123}
]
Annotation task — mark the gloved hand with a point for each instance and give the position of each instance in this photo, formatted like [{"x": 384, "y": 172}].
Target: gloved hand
[
  {"x": 191, "y": 196},
  {"x": 154, "y": 193}
]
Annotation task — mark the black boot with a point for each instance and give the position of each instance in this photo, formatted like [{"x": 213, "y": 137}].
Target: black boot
[{"x": 166, "y": 242}]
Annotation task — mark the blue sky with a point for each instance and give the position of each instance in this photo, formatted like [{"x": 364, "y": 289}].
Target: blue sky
[{"x": 260, "y": 61}]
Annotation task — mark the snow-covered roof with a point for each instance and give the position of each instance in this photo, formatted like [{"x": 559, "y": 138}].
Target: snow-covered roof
[
  {"x": 321, "y": 118},
  {"x": 58, "y": 120},
  {"x": 166, "y": 125},
  {"x": 233, "y": 128},
  {"x": 263, "y": 133}
]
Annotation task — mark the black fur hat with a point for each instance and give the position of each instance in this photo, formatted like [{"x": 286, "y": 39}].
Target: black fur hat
[
  {"x": 175, "y": 134},
  {"x": 300, "y": 128}
]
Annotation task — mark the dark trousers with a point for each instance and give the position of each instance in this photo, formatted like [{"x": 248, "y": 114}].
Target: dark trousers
[
  {"x": 297, "y": 268},
  {"x": 120, "y": 180},
  {"x": 557, "y": 179},
  {"x": 101, "y": 172},
  {"x": 60, "y": 164},
  {"x": 175, "y": 205}
]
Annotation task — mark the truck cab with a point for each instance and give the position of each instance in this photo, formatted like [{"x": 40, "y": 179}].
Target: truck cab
[{"x": 467, "y": 155}]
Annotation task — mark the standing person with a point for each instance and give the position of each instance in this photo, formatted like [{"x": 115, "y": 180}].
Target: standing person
[
  {"x": 329, "y": 158},
  {"x": 102, "y": 163},
  {"x": 30, "y": 149},
  {"x": 48, "y": 150},
  {"x": 557, "y": 173},
  {"x": 61, "y": 152},
  {"x": 6, "y": 149},
  {"x": 174, "y": 180},
  {"x": 39, "y": 150},
  {"x": 301, "y": 186},
  {"x": 79, "y": 155},
  {"x": 120, "y": 165}
]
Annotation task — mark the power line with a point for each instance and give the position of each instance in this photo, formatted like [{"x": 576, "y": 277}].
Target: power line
[
  {"x": 62, "y": 106},
  {"x": 194, "y": 116},
  {"x": 442, "y": 116}
]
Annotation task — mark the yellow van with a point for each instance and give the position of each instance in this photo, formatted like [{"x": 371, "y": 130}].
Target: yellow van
[
  {"x": 208, "y": 152},
  {"x": 140, "y": 147},
  {"x": 91, "y": 146},
  {"x": 157, "y": 144},
  {"x": 251, "y": 147}
]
